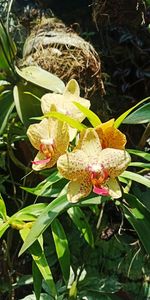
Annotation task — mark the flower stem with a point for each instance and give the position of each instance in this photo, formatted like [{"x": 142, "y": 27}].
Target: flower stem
[{"x": 100, "y": 216}]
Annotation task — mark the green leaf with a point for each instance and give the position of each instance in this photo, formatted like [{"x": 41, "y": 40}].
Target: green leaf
[
  {"x": 7, "y": 50},
  {"x": 91, "y": 116},
  {"x": 37, "y": 252},
  {"x": 3, "y": 213},
  {"x": 139, "y": 217},
  {"x": 70, "y": 121},
  {"x": 136, "y": 177},
  {"x": 126, "y": 113},
  {"x": 37, "y": 280},
  {"x": 29, "y": 213},
  {"x": 42, "y": 187},
  {"x": 44, "y": 220},
  {"x": 27, "y": 105},
  {"x": 7, "y": 105},
  {"x": 62, "y": 249},
  {"x": 3, "y": 228},
  {"x": 142, "y": 154},
  {"x": 42, "y": 78},
  {"x": 139, "y": 116},
  {"x": 139, "y": 164},
  {"x": 80, "y": 221}
]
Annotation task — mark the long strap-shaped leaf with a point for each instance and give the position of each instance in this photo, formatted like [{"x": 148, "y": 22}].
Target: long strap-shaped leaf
[
  {"x": 44, "y": 220},
  {"x": 136, "y": 177},
  {"x": 37, "y": 252},
  {"x": 120, "y": 119},
  {"x": 62, "y": 249},
  {"x": 80, "y": 221},
  {"x": 139, "y": 217}
]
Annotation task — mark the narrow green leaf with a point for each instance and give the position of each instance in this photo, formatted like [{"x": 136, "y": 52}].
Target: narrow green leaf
[
  {"x": 91, "y": 116},
  {"x": 37, "y": 280},
  {"x": 37, "y": 252},
  {"x": 29, "y": 213},
  {"x": 139, "y": 116},
  {"x": 62, "y": 249},
  {"x": 27, "y": 105},
  {"x": 126, "y": 113},
  {"x": 72, "y": 122},
  {"x": 136, "y": 177},
  {"x": 139, "y": 164},
  {"x": 80, "y": 221},
  {"x": 7, "y": 105},
  {"x": 90, "y": 200},
  {"x": 3, "y": 213},
  {"x": 44, "y": 220},
  {"x": 42, "y": 78},
  {"x": 139, "y": 217},
  {"x": 142, "y": 154},
  {"x": 41, "y": 188},
  {"x": 3, "y": 228}
]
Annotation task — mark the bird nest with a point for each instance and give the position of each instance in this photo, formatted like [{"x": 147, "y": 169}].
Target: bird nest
[
  {"x": 128, "y": 13},
  {"x": 61, "y": 51}
]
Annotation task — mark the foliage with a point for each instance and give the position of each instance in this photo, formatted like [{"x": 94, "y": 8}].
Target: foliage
[{"x": 53, "y": 230}]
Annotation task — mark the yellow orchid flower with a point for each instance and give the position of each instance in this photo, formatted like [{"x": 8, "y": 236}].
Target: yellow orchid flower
[
  {"x": 110, "y": 137},
  {"x": 51, "y": 138},
  {"x": 64, "y": 104},
  {"x": 88, "y": 165}
]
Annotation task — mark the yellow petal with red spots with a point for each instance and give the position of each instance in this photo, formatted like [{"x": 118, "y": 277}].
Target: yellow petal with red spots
[
  {"x": 73, "y": 165},
  {"x": 114, "y": 161},
  {"x": 89, "y": 143},
  {"x": 77, "y": 190},
  {"x": 38, "y": 131},
  {"x": 111, "y": 137}
]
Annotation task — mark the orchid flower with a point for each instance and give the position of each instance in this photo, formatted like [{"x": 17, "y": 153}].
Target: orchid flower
[
  {"x": 64, "y": 104},
  {"x": 110, "y": 137},
  {"x": 51, "y": 138},
  {"x": 89, "y": 166}
]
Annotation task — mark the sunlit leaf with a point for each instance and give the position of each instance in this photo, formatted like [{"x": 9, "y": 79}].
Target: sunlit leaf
[
  {"x": 37, "y": 252},
  {"x": 42, "y": 78},
  {"x": 120, "y": 119},
  {"x": 41, "y": 188},
  {"x": 29, "y": 213},
  {"x": 62, "y": 249},
  {"x": 3, "y": 228},
  {"x": 45, "y": 220},
  {"x": 3, "y": 213},
  {"x": 72, "y": 122},
  {"x": 139, "y": 164},
  {"x": 139, "y": 217},
  {"x": 142, "y": 154},
  {"x": 136, "y": 177},
  {"x": 80, "y": 221},
  {"x": 91, "y": 116},
  {"x": 139, "y": 116}
]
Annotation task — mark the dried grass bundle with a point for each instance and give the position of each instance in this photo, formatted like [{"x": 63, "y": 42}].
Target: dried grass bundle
[{"x": 60, "y": 50}]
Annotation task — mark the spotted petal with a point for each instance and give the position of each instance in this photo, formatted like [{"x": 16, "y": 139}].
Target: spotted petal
[
  {"x": 78, "y": 190},
  {"x": 73, "y": 165},
  {"x": 111, "y": 137},
  {"x": 89, "y": 143},
  {"x": 115, "y": 161},
  {"x": 114, "y": 188},
  {"x": 38, "y": 131}
]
